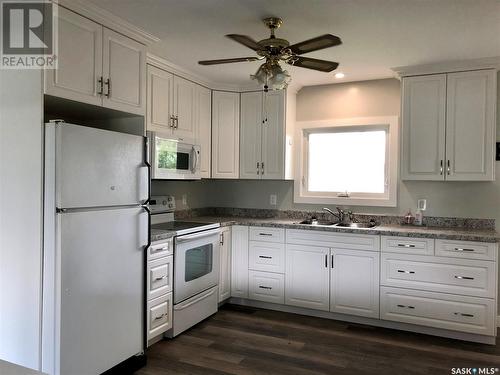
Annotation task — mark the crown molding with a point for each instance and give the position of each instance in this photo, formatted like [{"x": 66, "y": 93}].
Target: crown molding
[
  {"x": 108, "y": 19},
  {"x": 448, "y": 67}
]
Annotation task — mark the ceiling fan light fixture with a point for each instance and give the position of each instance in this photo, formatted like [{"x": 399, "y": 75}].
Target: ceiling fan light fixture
[{"x": 272, "y": 76}]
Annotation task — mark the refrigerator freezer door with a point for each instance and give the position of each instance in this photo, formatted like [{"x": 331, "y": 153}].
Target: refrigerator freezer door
[
  {"x": 98, "y": 168},
  {"x": 102, "y": 288}
]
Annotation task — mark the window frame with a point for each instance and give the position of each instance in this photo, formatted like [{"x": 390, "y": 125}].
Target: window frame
[{"x": 387, "y": 199}]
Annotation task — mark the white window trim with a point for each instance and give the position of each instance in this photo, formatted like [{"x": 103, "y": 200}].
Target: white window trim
[{"x": 303, "y": 128}]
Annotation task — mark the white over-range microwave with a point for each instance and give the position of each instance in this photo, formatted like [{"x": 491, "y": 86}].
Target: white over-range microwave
[{"x": 173, "y": 159}]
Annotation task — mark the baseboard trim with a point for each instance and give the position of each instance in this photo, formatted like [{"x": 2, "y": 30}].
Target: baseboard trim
[{"x": 490, "y": 340}]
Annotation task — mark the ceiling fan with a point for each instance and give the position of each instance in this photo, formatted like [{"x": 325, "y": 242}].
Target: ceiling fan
[{"x": 274, "y": 50}]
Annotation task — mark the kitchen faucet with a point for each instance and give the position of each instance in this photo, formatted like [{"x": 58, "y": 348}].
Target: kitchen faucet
[{"x": 340, "y": 214}]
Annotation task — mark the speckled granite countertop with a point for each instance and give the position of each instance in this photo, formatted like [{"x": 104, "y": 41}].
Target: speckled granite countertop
[
  {"x": 161, "y": 234},
  {"x": 463, "y": 234}
]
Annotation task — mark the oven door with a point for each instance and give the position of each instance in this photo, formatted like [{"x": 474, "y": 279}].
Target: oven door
[
  {"x": 196, "y": 263},
  {"x": 174, "y": 160}
]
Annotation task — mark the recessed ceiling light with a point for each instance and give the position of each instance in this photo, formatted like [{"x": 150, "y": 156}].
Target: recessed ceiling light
[{"x": 339, "y": 75}]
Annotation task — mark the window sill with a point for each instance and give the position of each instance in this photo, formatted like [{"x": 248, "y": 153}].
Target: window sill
[{"x": 351, "y": 201}]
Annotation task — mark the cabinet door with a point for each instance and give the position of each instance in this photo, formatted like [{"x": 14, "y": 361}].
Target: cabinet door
[
  {"x": 204, "y": 128},
  {"x": 79, "y": 60},
  {"x": 225, "y": 134},
  {"x": 239, "y": 261},
  {"x": 307, "y": 277},
  {"x": 250, "y": 135},
  {"x": 225, "y": 265},
  {"x": 159, "y": 99},
  {"x": 124, "y": 71},
  {"x": 184, "y": 108},
  {"x": 424, "y": 115},
  {"x": 354, "y": 282},
  {"x": 470, "y": 126},
  {"x": 273, "y": 136}
]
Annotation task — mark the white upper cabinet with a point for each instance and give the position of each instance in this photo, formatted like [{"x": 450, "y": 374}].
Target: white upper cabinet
[
  {"x": 262, "y": 143},
  {"x": 225, "y": 134},
  {"x": 470, "y": 125},
  {"x": 424, "y": 116},
  {"x": 449, "y": 125},
  {"x": 159, "y": 100},
  {"x": 204, "y": 128},
  {"x": 250, "y": 135},
  {"x": 184, "y": 108},
  {"x": 79, "y": 60},
  {"x": 354, "y": 282},
  {"x": 97, "y": 66},
  {"x": 307, "y": 276},
  {"x": 124, "y": 73}
]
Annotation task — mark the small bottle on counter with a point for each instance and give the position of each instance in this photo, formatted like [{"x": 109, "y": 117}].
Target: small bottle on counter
[
  {"x": 419, "y": 217},
  {"x": 409, "y": 218}
]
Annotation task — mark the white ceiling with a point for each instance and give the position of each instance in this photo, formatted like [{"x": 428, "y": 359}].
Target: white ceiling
[{"x": 376, "y": 34}]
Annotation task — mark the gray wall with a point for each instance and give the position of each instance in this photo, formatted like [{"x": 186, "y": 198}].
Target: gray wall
[{"x": 356, "y": 99}]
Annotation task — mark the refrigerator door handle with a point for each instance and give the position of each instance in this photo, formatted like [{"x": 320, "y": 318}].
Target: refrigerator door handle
[
  {"x": 148, "y": 165},
  {"x": 146, "y": 208}
]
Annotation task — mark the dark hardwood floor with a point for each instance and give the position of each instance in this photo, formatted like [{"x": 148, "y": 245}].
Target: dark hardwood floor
[{"x": 242, "y": 340}]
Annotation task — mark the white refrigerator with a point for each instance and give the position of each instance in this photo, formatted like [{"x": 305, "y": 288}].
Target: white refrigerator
[{"x": 95, "y": 235}]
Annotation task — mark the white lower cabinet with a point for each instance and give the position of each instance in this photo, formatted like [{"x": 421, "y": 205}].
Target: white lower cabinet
[
  {"x": 307, "y": 277},
  {"x": 266, "y": 286},
  {"x": 225, "y": 264},
  {"x": 266, "y": 256},
  {"x": 438, "y": 310},
  {"x": 159, "y": 318},
  {"x": 239, "y": 261},
  {"x": 354, "y": 282}
]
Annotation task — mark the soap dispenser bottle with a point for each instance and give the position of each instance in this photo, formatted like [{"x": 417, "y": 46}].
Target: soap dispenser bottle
[{"x": 419, "y": 215}]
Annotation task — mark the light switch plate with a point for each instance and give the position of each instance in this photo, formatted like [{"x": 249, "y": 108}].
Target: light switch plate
[{"x": 272, "y": 199}]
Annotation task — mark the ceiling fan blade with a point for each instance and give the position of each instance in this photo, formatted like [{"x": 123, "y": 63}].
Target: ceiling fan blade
[
  {"x": 227, "y": 61},
  {"x": 314, "y": 44},
  {"x": 315, "y": 64},
  {"x": 246, "y": 41}
]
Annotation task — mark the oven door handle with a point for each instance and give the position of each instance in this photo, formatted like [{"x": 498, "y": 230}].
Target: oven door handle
[
  {"x": 195, "y": 236},
  {"x": 186, "y": 304}
]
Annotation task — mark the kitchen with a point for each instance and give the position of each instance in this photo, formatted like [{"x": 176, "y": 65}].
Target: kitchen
[{"x": 216, "y": 186}]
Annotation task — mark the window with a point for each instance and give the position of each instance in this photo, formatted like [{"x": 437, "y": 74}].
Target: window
[{"x": 351, "y": 162}]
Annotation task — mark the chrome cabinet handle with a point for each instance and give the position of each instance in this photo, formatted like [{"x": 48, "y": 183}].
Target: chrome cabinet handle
[
  {"x": 157, "y": 250},
  {"x": 326, "y": 260},
  {"x": 258, "y": 168},
  {"x": 108, "y": 83},
  {"x": 408, "y": 272},
  {"x": 160, "y": 278},
  {"x": 176, "y": 122},
  {"x": 405, "y": 245},
  {"x": 448, "y": 168},
  {"x": 332, "y": 261},
  {"x": 464, "y": 314},
  {"x": 464, "y": 278},
  {"x": 172, "y": 121},
  {"x": 462, "y": 249},
  {"x": 262, "y": 165},
  {"x": 160, "y": 317},
  {"x": 265, "y": 257},
  {"x": 406, "y": 307},
  {"x": 101, "y": 85},
  {"x": 441, "y": 167},
  {"x": 222, "y": 239},
  {"x": 265, "y": 234},
  {"x": 265, "y": 287}
]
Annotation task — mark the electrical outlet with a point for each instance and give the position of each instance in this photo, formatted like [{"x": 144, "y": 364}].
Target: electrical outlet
[
  {"x": 273, "y": 199},
  {"x": 184, "y": 200}
]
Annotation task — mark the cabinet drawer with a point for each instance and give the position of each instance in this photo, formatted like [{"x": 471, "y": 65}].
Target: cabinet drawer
[
  {"x": 160, "y": 276},
  {"x": 159, "y": 315},
  {"x": 161, "y": 249},
  {"x": 457, "y": 276},
  {"x": 267, "y": 287},
  {"x": 466, "y": 249},
  {"x": 266, "y": 256},
  {"x": 407, "y": 245},
  {"x": 446, "y": 311},
  {"x": 367, "y": 242},
  {"x": 267, "y": 234}
]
